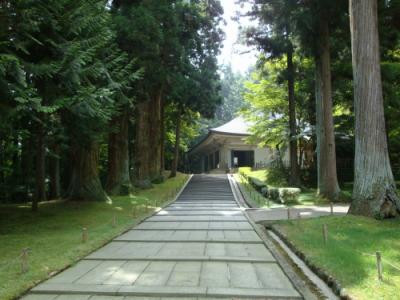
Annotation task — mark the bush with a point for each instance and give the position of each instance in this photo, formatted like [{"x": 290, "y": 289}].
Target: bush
[
  {"x": 289, "y": 195},
  {"x": 256, "y": 183},
  {"x": 273, "y": 193},
  {"x": 276, "y": 175},
  {"x": 264, "y": 191},
  {"x": 244, "y": 171}
]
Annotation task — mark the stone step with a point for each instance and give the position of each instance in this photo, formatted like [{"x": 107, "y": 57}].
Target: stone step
[
  {"x": 187, "y": 259},
  {"x": 197, "y": 218},
  {"x": 199, "y": 213},
  {"x": 214, "y": 225},
  {"x": 162, "y": 291},
  {"x": 131, "y": 250}
]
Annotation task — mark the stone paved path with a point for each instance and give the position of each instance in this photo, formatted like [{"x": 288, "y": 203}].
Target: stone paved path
[{"x": 199, "y": 247}]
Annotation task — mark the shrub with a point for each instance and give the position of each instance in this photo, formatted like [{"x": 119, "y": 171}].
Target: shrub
[
  {"x": 273, "y": 193},
  {"x": 289, "y": 195},
  {"x": 256, "y": 183},
  {"x": 276, "y": 175},
  {"x": 245, "y": 171},
  {"x": 264, "y": 191}
]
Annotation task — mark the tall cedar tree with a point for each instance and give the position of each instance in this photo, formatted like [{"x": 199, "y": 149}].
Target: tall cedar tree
[
  {"x": 147, "y": 30},
  {"x": 65, "y": 58},
  {"x": 374, "y": 192},
  {"x": 195, "y": 86},
  {"x": 313, "y": 23},
  {"x": 274, "y": 36}
]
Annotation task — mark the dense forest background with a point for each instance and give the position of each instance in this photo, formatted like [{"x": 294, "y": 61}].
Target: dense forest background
[{"x": 101, "y": 97}]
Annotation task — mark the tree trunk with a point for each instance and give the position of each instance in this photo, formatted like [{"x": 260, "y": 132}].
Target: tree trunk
[
  {"x": 155, "y": 136},
  {"x": 40, "y": 173},
  {"x": 162, "y": 154},
  {"x": 118, "y": 179},
  {"x": 85, "y": 184},
  {"x": 142, "y": 142},
  {"x": 374, "y": 192},
  {"x": 54, "y": 171},
  {"x": 148, "y": 139},
  {"x": 294, "y": 178},
  {"x": 326, "y": 153},
  {"x": 175, "y": 161}
]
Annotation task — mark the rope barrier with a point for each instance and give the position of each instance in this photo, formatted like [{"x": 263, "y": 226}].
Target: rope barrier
[{"x": 383, "y": 259}]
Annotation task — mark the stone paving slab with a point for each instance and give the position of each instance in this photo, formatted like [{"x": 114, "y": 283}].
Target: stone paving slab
[
  {"x": 197, "y": 218},
  {"x": 201, "y": 208},
  {"x": 135, "y": 250},
  {"x": 195, "y": 226},
  {"x": 112, "y": 274},
  {"x": 189, "y": 235},
  {"x": 200, "y": 247},
  {"x": 201, "y": 205},
  {"x": 199, "y": 213},
  {"x": 100, "y": 297}
]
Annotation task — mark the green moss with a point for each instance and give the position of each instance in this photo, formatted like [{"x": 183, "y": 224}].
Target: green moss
[
  {"x": 349, "y": 254},
  {"x": 54, "y": 233}
]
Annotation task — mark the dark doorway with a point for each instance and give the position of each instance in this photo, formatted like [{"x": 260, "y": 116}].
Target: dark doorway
[{"x": 242, "y": 158}]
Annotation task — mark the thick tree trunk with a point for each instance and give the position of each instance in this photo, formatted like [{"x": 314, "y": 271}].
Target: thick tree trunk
[
  {"x": 155, "y": 136},
  {"x": 142, "y": 142},
  {"x": 326, "y": 153},
  {"x": 294, "y": 176},
  {"x": 40, "y": 172},
  {"x": 118, "y": 179},
  {"x": 374, "y": 192},
  {"x": 175, "y": 161},
  {"x": 148, "y": 139},
  {"x": 85, "y": 184},
  {"x": 54, "y": 171}
]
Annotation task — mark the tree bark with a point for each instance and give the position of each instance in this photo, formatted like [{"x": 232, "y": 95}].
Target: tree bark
[
  {"x": 162, "y": 154},
  {"x": 294, "y": 176},
  {"x": 374, "y": 192},
  {"x": 142, "y": 142},
  {"x": 148, "y": 139},
  {"x": 85, "y": 183},
  {"x": 175, "y": 161},
  {"x": 155, "y": 137},
  {"x": 326, "y": 153},
  {"x": 54, "y": 172},
  {"x": 40, "y": 173},
  {"x": 118, "y": 179}
]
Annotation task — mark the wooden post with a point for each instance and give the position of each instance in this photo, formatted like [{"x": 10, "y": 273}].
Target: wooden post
[
  {"x": 24, "y": 260},
  {"x": 325, "y": 233},
  {"x": 134, "y": 210},
  {"x": 379, "y": 265},
  {"x": 299, "y": 215},
  {"x": 114, "y": 221},
  {"x": 288, "y": 213},
  {"x": 331, "y": 204},
  {"x": 84, "y": 234}
]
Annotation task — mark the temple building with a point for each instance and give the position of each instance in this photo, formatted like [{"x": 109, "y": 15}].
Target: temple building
[{"x": 225, "y": 148}]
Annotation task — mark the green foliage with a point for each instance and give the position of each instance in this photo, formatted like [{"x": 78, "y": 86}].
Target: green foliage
[
  {"x": 289, "y": 195},
  {"x": 273, "y": 193},
  {"x": 266, "y": 107}
]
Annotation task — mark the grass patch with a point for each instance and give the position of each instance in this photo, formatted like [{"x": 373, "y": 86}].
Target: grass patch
[
  {"x": 54, "y": 233},
  {"x": 347, "y": 255}
]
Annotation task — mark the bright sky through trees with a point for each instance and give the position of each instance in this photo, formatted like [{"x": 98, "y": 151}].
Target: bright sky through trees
[{"x": 241, "y": 57}]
